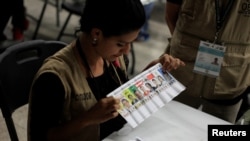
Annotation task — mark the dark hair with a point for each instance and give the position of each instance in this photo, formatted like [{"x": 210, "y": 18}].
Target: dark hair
[
  {"x": 148, "y": 84},
  {"x": 124, "y": 100},
  {"x": 113, "y": 17}
]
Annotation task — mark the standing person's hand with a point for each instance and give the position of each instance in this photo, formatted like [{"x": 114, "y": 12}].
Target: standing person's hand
[{"x": 168, "y": 62}]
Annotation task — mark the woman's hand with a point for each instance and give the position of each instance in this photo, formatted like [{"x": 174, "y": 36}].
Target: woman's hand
[
  {"x": 103, "y": 110},
  {"x": 168, "y": 62}
]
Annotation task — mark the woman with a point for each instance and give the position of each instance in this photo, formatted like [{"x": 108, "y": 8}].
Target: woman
[
  {"x": 150, "y": 87},
  {"x": 68, "y": 97}
]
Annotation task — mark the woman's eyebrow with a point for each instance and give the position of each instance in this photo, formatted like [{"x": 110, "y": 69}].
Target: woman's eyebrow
[{"x": 124, "y": 42}]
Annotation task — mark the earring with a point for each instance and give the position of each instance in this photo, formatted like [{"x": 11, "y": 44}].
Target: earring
[{"x": 94, "y": 42}]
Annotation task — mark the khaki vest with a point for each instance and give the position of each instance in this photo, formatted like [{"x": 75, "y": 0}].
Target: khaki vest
[
  {"x": 197, "y": 22},
  {"x": 78, "y": 95}
]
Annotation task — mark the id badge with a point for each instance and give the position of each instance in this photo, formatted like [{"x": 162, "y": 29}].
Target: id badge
[{"x": 209, "y": 59}]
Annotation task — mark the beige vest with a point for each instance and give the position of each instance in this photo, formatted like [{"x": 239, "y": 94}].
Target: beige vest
[
  {"x": 78, "y": 95},
  {"x": 197, "y": 22}
]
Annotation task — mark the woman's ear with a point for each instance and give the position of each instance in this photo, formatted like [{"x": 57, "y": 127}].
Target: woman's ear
[{"x": 95, "y": 33}]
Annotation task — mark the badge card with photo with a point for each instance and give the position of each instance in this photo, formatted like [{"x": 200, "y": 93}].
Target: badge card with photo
[{"x": 209, "y": 59}]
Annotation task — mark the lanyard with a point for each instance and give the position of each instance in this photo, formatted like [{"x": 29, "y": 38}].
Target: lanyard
[
  {"x": 220, "y": 17},
  {"x": 114, "y": 76}
]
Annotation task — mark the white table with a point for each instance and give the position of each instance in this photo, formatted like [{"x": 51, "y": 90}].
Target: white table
[{"x": 174, "y": 122}]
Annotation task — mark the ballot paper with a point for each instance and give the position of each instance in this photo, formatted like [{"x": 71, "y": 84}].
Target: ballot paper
[{"x": 146, "y": 93}]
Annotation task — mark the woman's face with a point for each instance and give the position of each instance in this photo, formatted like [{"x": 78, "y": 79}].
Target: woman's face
[
  {"x": 148, "y": 85},
  {"x": 160, "y": 78},
  {"x": 138, "y": 94},
  {"x": 112, "y": 47},
  {"x": 125, "y": 103}
]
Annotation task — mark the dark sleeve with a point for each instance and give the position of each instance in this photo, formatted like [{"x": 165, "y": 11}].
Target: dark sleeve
[
  {"x": 175, "y": 1},
  {"x": 47, "y": 105}
]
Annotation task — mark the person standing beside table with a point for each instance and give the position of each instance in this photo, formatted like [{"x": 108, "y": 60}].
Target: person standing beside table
[{"x": 211, "y": 29}]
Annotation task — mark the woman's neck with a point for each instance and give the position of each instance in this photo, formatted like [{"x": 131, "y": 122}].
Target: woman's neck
[{"x": 94, "y": 60}]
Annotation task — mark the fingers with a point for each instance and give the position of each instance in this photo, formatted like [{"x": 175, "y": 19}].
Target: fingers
[
  {"x": 110, "y": 105},
  {"x": 111, "y": 115},
  {"x": 105, "y": 109},
  {"x": 175, "y": 63},
  {"x": 169, "y": 62},
  {"x": 111, "y": 101}
]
